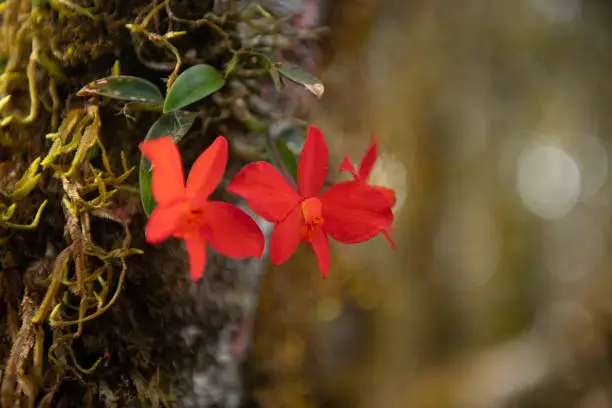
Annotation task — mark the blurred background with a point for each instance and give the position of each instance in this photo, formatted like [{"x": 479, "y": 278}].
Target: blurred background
[{"x": 494, "y": 120}]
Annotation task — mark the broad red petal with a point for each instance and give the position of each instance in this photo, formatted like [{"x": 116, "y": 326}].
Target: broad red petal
[
  {"x": 163, "y": 222},
  {"x": 196, "y": 249},
  {"x": 389, "y": 193},
  {"x": 320, "y": 244},
  {"x": 168, "y": 178},
  {"x": 313, "y": 164},
  {"x": 231, "y": 231},
  {"x": 286, "y": 237},
  {"x": 369, "y": 159},
  {"x": 355, "y": 212},
  {"x": 265, "y": 190},
  {"x": 207, "y": 171},
  {"x": 347, "y": 165}
]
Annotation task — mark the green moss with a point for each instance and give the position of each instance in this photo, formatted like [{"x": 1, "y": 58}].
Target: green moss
[{"x": 73, "y": 289}]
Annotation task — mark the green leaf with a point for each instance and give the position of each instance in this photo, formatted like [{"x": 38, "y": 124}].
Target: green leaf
[
  {"x": 125, "y": 88},
  {"x": 267, "y": 64},
  {"x": 193, "y": 84},
  {"x": 174, "y": 124},
  {"x": 272, "y": 159},
  {"x": 288, "y": 145},
  {"x": 301, "y": 77},
  {"x": 288, "y": 157},
  {"x": 145, "y": 179},
  {"x": 294, "y": 139}
]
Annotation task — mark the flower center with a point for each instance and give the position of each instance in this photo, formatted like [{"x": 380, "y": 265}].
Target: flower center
[
  {"x": 190, "y": 220},
  {"x": 313, "y": 220}
]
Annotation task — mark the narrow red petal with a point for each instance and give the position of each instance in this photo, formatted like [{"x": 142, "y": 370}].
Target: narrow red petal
[
  {"x": 265, "y": 190},
  {"x": 320, "y": 244},
  {"x": 231, "y": 231},
  {"x": 207, "y": 171},
  {"x": 196, "y": 249},
  {"x": 369, "y": 159},
  {"x": 168, "y": 178},
  {"x": 286, "y": 237},
  {"x": 354, "y": 212},
  {"x": 387, "y": 235},
  {"x": 163, "y": 222},
  {"x": 347, "y": 165},
  {"x": 313, "y": 164}
]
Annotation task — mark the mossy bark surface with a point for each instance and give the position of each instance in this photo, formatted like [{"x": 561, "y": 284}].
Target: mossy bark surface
[{"x": 91, "y": 315}]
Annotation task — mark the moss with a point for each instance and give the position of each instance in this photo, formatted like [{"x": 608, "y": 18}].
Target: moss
[
  {"x": 49, "y": 275},
  {"x": 85, "y": 320}
]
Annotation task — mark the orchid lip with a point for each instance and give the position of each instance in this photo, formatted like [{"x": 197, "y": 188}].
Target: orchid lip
[
  {"x": 313, "y": 220},
  {"x": 191, "y": 219}
]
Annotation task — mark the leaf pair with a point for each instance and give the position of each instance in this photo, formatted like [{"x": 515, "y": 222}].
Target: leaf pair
[{"x": 192, "y": 85}]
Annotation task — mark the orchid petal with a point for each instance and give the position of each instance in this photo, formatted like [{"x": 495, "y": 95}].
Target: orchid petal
[
  {"x": 389, "y": 193},
  {"x": 369, "y": 159},
  {"x": 163, "y": 222},
  {"x": 347, "y": 165},
  {"x": 265, "y": 190},
  {"x": 196, "y": 249},
  {"x": 354, "y": 212},
  {"x": 231, "y": 231},
  {"x": 387, "y": 235},
  {"x": 168, "y": 177},
  {"x": 320, "y": 245},
  {"x": 286, "y": 237},
  {"x": 207, "y": 171},
  {"x": 313, "y": 164}
]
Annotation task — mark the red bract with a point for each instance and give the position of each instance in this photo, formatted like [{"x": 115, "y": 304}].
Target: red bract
[
  {"x": 349, "y": 212},
  {"x": 365, "y": 168},
  {"x": 183, "y": 211}
]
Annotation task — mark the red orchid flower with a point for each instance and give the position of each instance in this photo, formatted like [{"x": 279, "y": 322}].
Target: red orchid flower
[
  {"x": 365, "y": 168},
  {"x": 183, "y": 210},
  {"x": 349, "y": 212}
]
